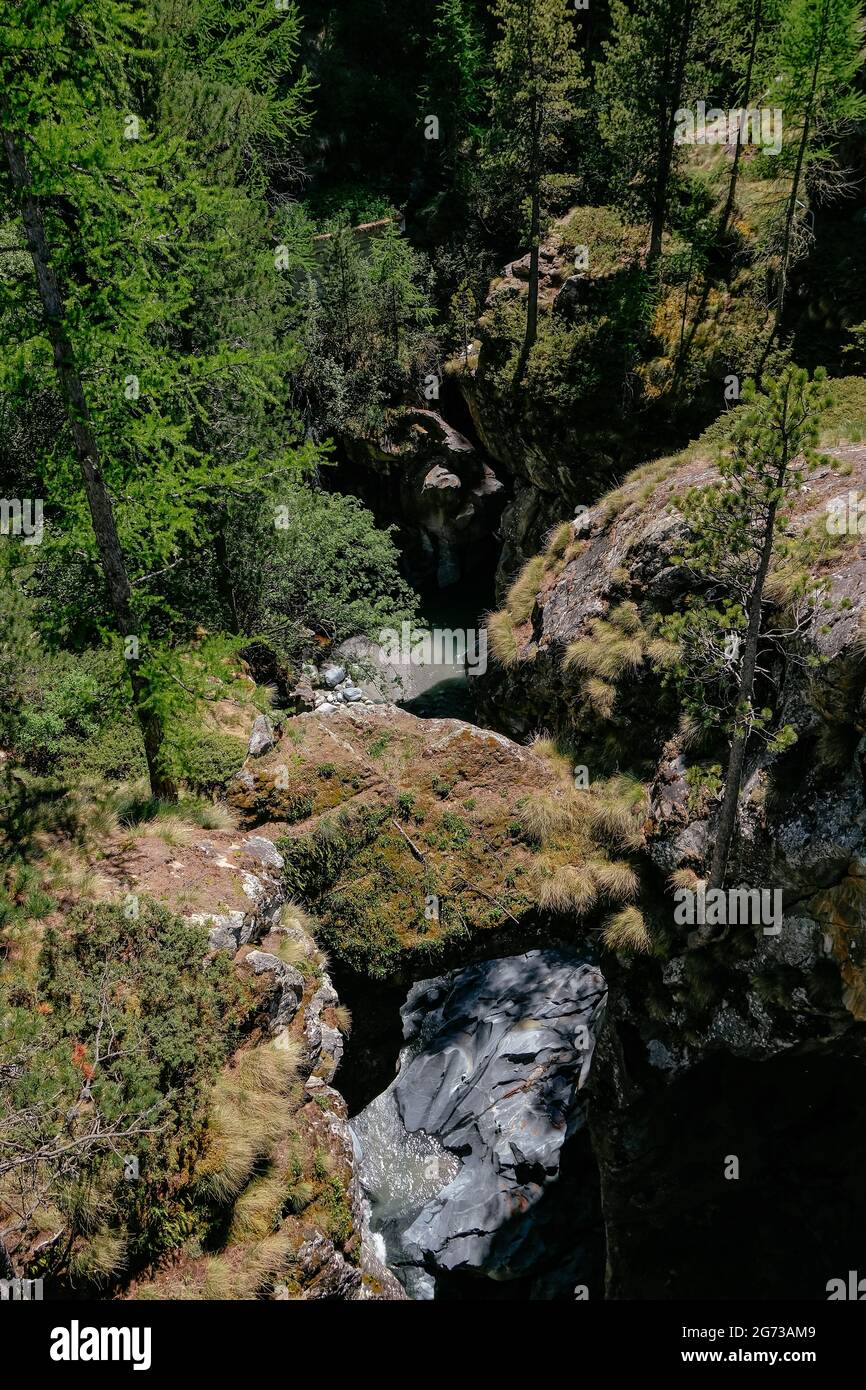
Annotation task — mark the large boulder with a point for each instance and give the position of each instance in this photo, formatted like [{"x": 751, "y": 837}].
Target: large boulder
[{"x": 475, "y": 1123}]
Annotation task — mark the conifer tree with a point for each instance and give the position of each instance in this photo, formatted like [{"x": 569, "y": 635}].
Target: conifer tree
[
  {"x": 642, "y": 84},
  {"x": 821, "y": 54},
  {"x": 454, "y": 88},
  {"x": 537, "y": 77},
  {"x": 736, "y": 526},
  {"x": 128, "y": 222}
]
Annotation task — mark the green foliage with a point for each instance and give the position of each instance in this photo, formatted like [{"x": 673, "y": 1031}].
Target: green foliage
[
  {"x": 648, "y": 66},
  {"x": 325, "y": 568},
  {"x": 454, "y": 87},
  {"x": 204, "y": 761},
  {"x": 367, "y": 327},
  {"x": 120, "y": 1053},
  {"x": 175, "y": 315},
  {"x": 538, "y": 76},
  {"x": 735, "y": 526}
]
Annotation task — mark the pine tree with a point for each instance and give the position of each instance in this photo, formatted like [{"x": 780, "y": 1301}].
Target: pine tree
[
  {"x": 538, "y": 75},
  {"x": 642, "y": 84},
  {"x": 735, "y": 528},
  {"x": 821, "y": 54}
]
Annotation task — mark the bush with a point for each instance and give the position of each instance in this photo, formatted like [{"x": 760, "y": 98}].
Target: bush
[
  {"x": 116, "y": 753},
  {"x": 205, "y": 762},
  {"x": 326, "y": 569},
  {"x": 129, "y": 1031}
]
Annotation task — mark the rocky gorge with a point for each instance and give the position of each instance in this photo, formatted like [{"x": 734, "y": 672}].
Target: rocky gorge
[{"x": 569, "y": 1117}]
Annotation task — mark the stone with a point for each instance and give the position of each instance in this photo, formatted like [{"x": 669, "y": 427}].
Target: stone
[
  {"x": 287, "y": 990},
  {"x": 264, "y": 852},
  {"x": 262, "y": 737},
  {"x": 487, "y": 1094},
  {"x": 333, "y": 675},
  {"x": 224, "y": 929}
]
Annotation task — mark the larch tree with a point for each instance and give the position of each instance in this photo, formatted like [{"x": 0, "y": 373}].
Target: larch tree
[
  {"x": 131, "y": 219},
  {"x": 642, "y": 83}
]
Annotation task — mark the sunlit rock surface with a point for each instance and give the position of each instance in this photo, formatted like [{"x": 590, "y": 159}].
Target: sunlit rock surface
[{"x": 461, "y": 1148}]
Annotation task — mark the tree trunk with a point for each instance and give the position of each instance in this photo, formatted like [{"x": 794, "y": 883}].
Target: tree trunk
[
  {"x": 795, "y": 187},
  {"x": 224, "y": 577},
  {"x": 87, "y": 453},
  {"x": 750, "y": 67},
  {"x": 532, "y": 296},
  {"x": 671, "y": 94},
  {"x": 734, "y": 775}
]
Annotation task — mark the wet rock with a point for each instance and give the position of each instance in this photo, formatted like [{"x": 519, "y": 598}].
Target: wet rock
[{"x": 491, "y": 1076}]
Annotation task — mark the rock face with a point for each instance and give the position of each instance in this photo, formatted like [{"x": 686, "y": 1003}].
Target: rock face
[
  {"x": 428, "y": 477},
  {"x": 557, "y": 452},
  {"x": 491, "y": 1076},
  {"x": 262, "y": 737},
  {"x": 715, "y": 1063}
]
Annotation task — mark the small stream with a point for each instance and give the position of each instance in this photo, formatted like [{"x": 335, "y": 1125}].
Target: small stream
[{"x": 444, "y": 690}]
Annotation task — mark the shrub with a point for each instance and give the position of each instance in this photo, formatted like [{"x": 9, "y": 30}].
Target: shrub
[
  {"x": 205, "y": 761},
  {"x": 329, "y": 569},
  {"x": 140, "y": 982}
]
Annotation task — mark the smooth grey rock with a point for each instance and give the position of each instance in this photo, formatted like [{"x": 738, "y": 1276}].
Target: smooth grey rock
[
  {"x": 351, "y": 693},
  {"x": 490, "y": 1080},
  {"x": 333, "y": 675},
  {"x": 262, "y": 736}
]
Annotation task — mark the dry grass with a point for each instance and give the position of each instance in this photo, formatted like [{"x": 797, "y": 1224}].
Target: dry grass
[
  {"x": 257, "y": 1210},
  {"x": 252, "y": 1104},
  {"x": 617, "y": 880},
  {"x": 545, "y": 815},
  {"x": 524, "y": 591},
  {"x": 100, "y": 1258},
  {"x": 569, "y": 888},
  {"x": 502, "y": 638},
  {"x": 601, "y": 697},
  {"x": 293, "y": 917},
  {"x": 559, "y": 540},
  {"x": 546, "y": 747},
  {"x": 217, "y": 816},
  {"x": 684, "y": 878},
  {"x": 627, "y": 931},
  {"x": 618, "y": 809},
  {"x": 343, "y": 1019}
]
